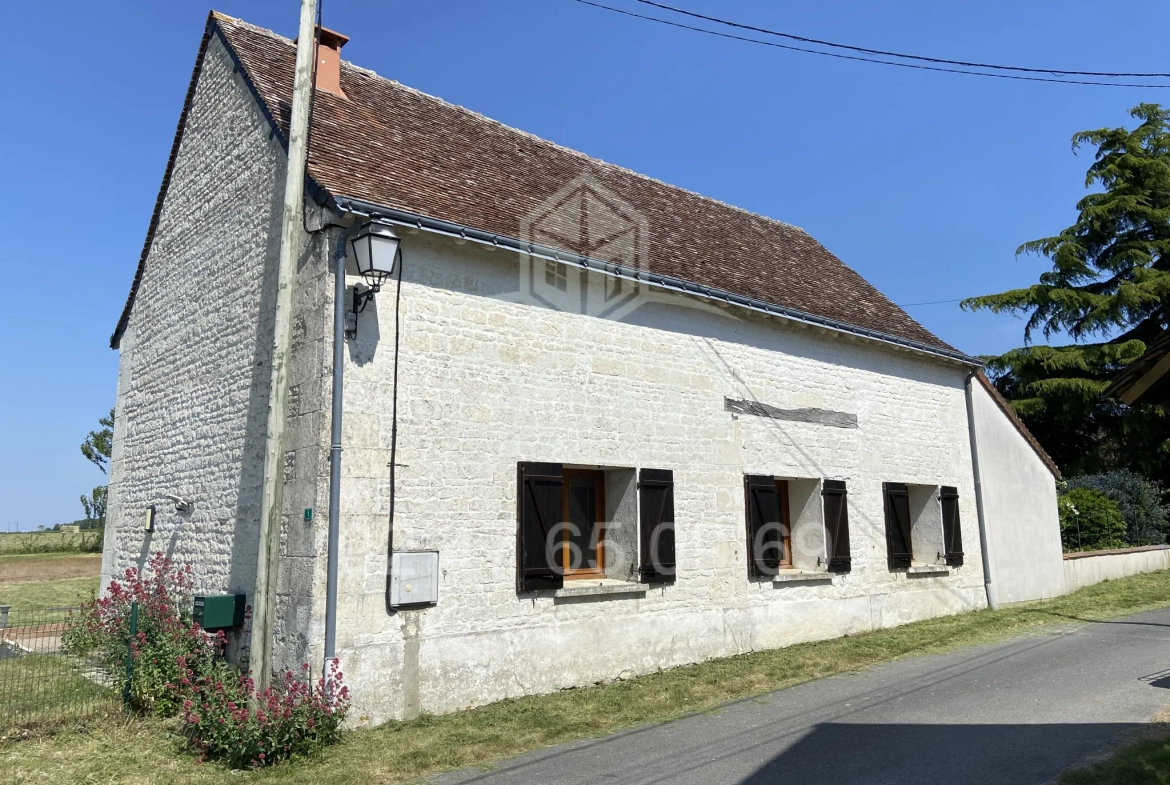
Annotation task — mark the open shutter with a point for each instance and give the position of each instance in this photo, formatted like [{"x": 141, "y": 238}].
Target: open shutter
[
  {"x": 897, "y": 524},
  {"x": 764, "y": 545},
  {"x": 538, "y": 510},
  {"x": 836, "y": 525},
  {"x": 952, "y": 532},
  {"x": 656, "y": 525}
]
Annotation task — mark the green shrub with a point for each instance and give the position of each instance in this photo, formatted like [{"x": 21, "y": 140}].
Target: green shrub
[
  {"x": 1140, "y": 500},
  {"x": 165, "y": 633},
  {"x": 178, "y": 670},
  {"x": 1090, "y": 521},
  {"x": 291, "y": 719}
]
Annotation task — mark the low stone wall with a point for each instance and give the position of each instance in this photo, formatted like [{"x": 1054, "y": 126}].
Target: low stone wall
[{"x": 1085, "y": 569}]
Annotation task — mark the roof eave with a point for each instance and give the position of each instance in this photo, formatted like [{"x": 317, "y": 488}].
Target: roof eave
[{"x": 437, "y": 226}]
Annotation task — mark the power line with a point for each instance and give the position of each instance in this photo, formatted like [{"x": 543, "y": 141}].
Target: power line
[
  {"x": 862, "y": 59},
  {"x": 932, "y": 302},
  {"x": 883, "y": 53}
]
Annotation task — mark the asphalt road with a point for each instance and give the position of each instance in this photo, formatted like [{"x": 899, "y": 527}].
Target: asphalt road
[{"x": 1015, "y": 712}]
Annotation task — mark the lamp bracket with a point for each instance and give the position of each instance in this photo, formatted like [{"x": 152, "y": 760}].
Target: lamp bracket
[{"x": 360, "y": 301}]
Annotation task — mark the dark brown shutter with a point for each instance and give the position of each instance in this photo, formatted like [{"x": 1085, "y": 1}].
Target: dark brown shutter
[
  {"x": 656, "y": 525},
  {"x": 538, "y": 510},
  {"x": 836, "y": 525},
  {"x": 898, "y": 540},
  {"x": 764, "y": 543},
  {"x": 952, "y": 532}
]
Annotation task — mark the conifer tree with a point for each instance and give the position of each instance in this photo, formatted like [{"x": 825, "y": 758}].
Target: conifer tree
[{"x": 1109, "y": 291}]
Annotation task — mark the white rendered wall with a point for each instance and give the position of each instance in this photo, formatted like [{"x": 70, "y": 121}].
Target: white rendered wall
[
  {"x": 486, "y": 381},
  {"x": 1019, "y": 497},
  {"x": 1082, "y": 570}
]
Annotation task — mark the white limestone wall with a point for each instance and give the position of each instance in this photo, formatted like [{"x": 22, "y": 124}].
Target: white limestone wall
[
  {"x": 488, "y": 378},
  {"x": 1085, "y": 569},
  {"x": 194, "y": 363},
  {"x": 1019, "y": 497}
]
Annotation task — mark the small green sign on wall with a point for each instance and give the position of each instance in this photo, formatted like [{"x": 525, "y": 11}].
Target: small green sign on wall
[{"x": 308, "y": 514}]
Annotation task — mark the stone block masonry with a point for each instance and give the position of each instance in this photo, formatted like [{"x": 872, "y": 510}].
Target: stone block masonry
[
  {"x": 486, "y": 382},
  {"x": 193, "y": 368}
]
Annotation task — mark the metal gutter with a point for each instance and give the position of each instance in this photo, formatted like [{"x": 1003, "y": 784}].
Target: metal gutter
[{"x": 667, "y": 282}]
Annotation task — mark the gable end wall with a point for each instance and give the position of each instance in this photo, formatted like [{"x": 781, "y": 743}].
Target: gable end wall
[{"x": 194, "y": 360}]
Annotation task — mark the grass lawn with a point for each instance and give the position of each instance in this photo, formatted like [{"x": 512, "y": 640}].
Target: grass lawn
[
  {"x": 140, "y": 752},
  {"x": 30, "y": 595},
  {"x": 37, "y": 690}
]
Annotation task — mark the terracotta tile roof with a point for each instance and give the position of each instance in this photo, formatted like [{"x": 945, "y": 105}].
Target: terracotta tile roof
[{"x": 396, "y": 147}]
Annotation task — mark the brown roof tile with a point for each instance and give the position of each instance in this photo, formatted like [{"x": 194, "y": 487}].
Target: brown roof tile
[{"x": 396, "y": 147}]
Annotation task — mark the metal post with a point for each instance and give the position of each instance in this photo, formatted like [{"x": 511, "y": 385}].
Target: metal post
[
  {"x": 268, "y": 556},
  {"x": 130, "y": 653},
  {"x": 335, "y": 443},
  {"x": 988, "y": 585}
]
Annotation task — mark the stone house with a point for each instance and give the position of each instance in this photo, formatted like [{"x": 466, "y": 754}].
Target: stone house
[{"x": 639, "y": 427}]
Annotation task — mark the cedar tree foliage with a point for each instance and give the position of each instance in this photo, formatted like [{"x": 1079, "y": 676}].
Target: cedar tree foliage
[{"x": 1108, "y": 290}]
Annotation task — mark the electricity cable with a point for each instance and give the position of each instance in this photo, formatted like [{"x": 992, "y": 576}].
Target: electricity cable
[
  {"x": 884, "y": 53},
  {"x": 866, "y": 59}
]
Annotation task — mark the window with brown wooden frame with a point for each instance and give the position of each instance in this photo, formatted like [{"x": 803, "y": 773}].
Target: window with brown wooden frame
[
  {"x": 577, "y": 523},
  {"x": 769, "y": 525},
  {"x": 583, "y": 527},
  {"x": 919, "y": 530},
  {"x": 785, "y": 526}
]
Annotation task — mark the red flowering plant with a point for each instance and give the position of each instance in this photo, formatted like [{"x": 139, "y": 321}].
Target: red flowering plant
[
  {"x": 165, "y": 633},
  {"x": 230, "y": 721}
]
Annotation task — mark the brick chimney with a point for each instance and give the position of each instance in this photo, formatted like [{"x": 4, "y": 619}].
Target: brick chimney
[{"x": 329, "y": 61}]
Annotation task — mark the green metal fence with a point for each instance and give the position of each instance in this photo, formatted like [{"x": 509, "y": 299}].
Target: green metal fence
[{"x": 40, "y": 684}]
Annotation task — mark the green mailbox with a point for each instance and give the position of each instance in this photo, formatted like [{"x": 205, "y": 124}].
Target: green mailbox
[{"x": 219, "y": 611}]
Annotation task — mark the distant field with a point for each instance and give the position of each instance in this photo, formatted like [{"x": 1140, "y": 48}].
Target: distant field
[
  {"x": 50, "y": 542},
  {"x": 32, "y": 595},
  {"x": 29, "y": 582}
]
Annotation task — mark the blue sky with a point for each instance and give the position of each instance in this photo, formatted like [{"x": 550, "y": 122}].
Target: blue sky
[{"x": 924, "y": 183}]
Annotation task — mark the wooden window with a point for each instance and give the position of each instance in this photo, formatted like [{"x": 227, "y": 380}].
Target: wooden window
[
  {"x": 836, "y": 525},
  {"x": 786, "y": 526},
  {"x": 656, "y": 525},
  {"x": 899, "y": 551},
  {"x": 948, "y": 497},
  {"x": 769, "y": 528},
  {"x": 538, "y": 511},
  {"x": 583, "y": 530}
]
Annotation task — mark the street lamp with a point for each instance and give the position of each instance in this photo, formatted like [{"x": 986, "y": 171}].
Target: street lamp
[{"x": 376, "y": 251}]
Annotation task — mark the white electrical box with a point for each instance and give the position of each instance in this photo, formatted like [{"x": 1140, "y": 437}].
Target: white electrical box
[{"x": 414, "y": 578}]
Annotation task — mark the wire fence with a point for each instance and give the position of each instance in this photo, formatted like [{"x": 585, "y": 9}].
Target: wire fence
[{"x": 41, "y": 685}]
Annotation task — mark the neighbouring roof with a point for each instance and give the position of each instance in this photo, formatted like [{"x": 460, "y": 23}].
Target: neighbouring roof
[
  {"x": 396, "y": 147},
  {"x": 1146, "y": 379}
]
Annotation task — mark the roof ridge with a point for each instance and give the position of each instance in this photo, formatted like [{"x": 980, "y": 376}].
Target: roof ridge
[{"x": 539, "y": 139}]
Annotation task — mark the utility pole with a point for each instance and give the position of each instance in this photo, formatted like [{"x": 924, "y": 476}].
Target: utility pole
[{"x": 292, "y": 222}]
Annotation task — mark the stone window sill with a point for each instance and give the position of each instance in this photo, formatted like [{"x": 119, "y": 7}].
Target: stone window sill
[
  {"x": 602, "y": 587},
  {"x": 802, "y": 576},
  {"x": 929, "y": 569}
]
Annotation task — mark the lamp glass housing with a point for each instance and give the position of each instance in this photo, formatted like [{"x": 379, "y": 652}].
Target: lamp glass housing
[{"x": 375, "y": 249}]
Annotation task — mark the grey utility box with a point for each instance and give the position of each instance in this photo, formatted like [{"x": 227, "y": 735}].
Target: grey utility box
[{"x": 414, "y": 578}]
